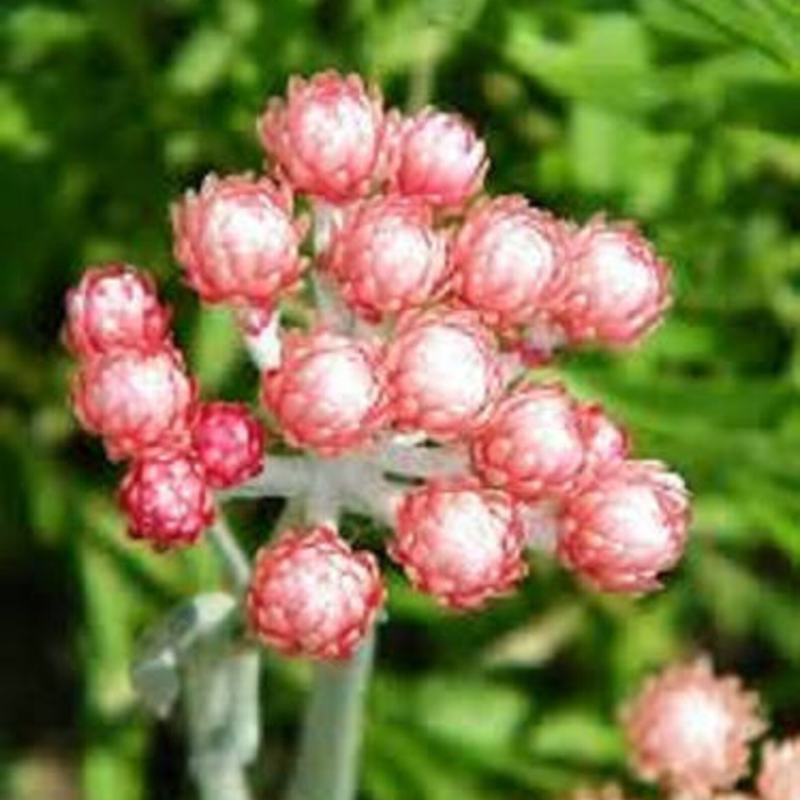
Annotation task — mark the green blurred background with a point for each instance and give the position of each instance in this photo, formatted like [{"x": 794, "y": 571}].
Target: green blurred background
[{"x": 682, "y": 113}]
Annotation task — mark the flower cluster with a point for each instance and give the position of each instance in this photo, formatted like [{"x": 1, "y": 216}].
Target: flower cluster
[
  {"x": 408, "y": 394},
  {"x": 691, "y": 732}
]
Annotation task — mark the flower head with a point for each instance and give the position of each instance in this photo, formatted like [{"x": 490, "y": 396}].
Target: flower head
[
  {"x": 139, "y": 403},
  {"x": 312, "y": 595},
  {"x": 115, "y": 307},
  {"x": 459, "y": 542},
  {"x": 166, "y": 500},
  {"x": 328, "y": 393},
  {"x": 617, "y": 288},
  {"x": 779, "y": 778},
  {"x": 437, "y": 157},
  {"x": 510, "y": 261},
  {"x": 690, "y": 730},
  {"x": 624, "y": 529},
  {"x": 327, "y": 136},
  {"x": 443, "y": 374},
  {"x": 387, "y": 257},
  {"x": 229, "y": 442},
  {"x": 237, "y": 241}
]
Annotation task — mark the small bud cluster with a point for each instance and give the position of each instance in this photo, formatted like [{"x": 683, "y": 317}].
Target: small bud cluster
[
  {"x": 691, "y": 732},
  {"x": 429, "y": 301}
]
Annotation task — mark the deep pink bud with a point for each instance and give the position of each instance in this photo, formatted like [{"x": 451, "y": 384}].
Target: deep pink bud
[
  {"x": 237, "y": 241},
  {"x": 229, "y": 442},
  {"x": 779, "y": 778},
  {"x": 387, "y": 257},
  {"x": 327, "y": 136},
  {"x": 539, "y": 441},
  {"x": 626, "y": 527},
  {"x": 689, "y": 730},
  {"x": 443, "y": 374},
  {"x": 328, "y": 393},
  {"x": 140, "y": 404},
  {"x": 436, "y": 157},
  {"x": 510, "y": 260},
  {"x": 617, "y": 287},
  {"x": 311, "y": 595},
  {"x": 459, "y": 542},
  {"x": 115, "y": 307},
  {"x": 167, "y": 501}
]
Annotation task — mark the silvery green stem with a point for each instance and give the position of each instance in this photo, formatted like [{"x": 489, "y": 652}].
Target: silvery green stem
[
  {"x": 230, "y": 554},
  {"x": 328, "y": 762},
  {"x": 221, "y": 696},
  {"x": 282, "y": 476},
  {"x": 420, "y": 462}
]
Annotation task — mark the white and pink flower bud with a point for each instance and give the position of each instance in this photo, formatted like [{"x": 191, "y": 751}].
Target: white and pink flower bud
[
  {"x": 443, "y": 374},
  {"x": 459, "y": 542},
  {"x": 538, "y": 442},
  {"x": 510, "y": 261},
  {"x": 237, "y": 241},
  {"x": 387, "y": 257},
  {"x": 115, "y": 307},
  {"x": 311, "y": 595},
  {"x": 141, "y": 404},
  {"x": 779, "y": 778},
  {"x": 626, "y": 527},
  {"x": 617, "y": 287},
  {"x": 690, "y": 730},
  {"x": 167, "y": 501},
  {"x": 328, "y": 393},
  {"x": 436, "y": 157},
  {"x": 327, "y": 136},
  {"x": 229, "y": 442}
]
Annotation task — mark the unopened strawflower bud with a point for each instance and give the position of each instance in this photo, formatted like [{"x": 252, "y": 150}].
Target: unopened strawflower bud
[
  {"x": 326, "y": 137},
  {"x": 443, "y": 374},
  {"x": 436, "y": 157},
  {"x": 115, "y": 307},
  {"x": 328, "y": 393},
  {"x": 779, "y": 778},
  {"x": 617, "y": 287},
  {"x": 311, "y": 595},
  {"x": 229, "y": 442},
  {"x": 510, "y": 261},
  {"x": 387, "y": 257},
  {"x": 139, "y": 403},
  {"x": 626, "y": 527},
  {"x": 690, "y": 730},
  {"x": 459, "y": 542},
  {"x": 537, "y": 442},
  {"x": 237, "y": 241},
  {"x": 167, "y": 501}
]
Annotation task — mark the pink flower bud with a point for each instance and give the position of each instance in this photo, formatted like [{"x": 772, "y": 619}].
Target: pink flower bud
[
  {"x": 167, "y": 501},
  {"x": 444, "y": 374},
  {"x": 237, "y": 241},
  {"x": 779, "y": 778},
  {"x": 311, "y": 595},
  {"x": 328, "y": 394},
  {"x": 229, "y": 442},
  {"x": 115, "y": 307},
  {"x": 617, "y": 287},
  {"x": 539, "y": 442},
  {"x": 626, "y": 527},
  {"x": 510, "y": 260},
  {"x": 327, "y": 136},
  {"x": 436, "y": 157},
  {"x": 690, "y": 730},
  {"x": 460, "y": 543},
  {"x": 139, "y": 403},
  {"x": 387, "y": 257}
]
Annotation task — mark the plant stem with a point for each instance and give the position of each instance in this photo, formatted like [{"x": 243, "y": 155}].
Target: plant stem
[
  {"x": 230, "y": 554},
  {"x": 327, "y": 765}
]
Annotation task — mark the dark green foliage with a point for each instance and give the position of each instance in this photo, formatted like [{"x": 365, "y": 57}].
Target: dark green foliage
[{"x": 684, "y": 114}]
